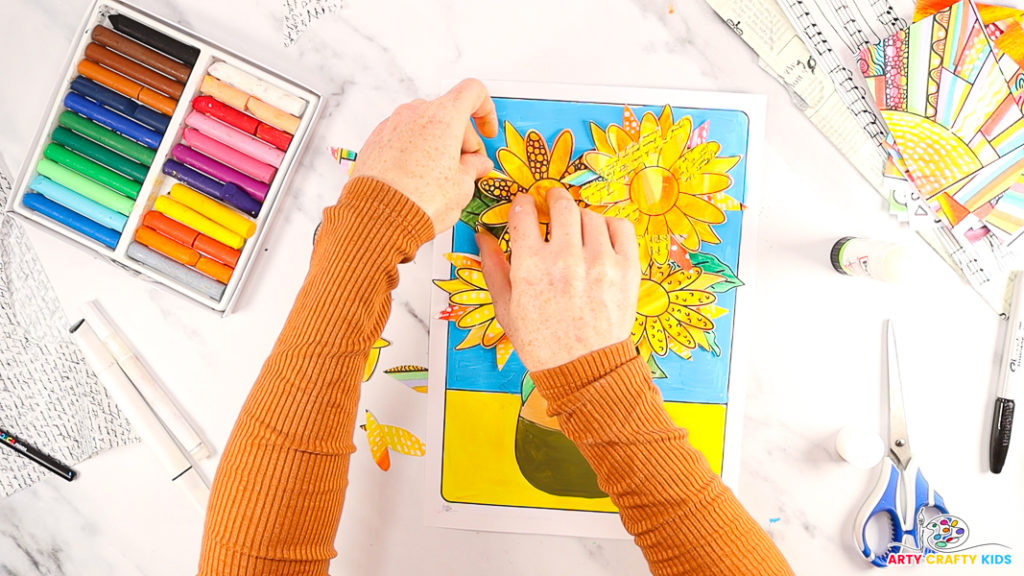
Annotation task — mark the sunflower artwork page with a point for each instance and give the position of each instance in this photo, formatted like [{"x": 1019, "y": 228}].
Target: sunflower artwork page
[{"x": 681, "y": 174}]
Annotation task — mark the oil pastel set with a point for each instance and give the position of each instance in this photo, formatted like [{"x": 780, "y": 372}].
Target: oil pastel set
[{"x": 165, "y": 153}]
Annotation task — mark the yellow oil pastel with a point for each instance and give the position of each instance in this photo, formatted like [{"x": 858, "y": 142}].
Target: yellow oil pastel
[{"x": 479, "y": 451}]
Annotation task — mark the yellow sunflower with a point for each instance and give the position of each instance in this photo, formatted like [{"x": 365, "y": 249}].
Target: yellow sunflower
[
  {"x": 675, "y": 311},
  {"x": 470, "y": 307},
  {"x": 653, "y": 175},
  {"x": 529, "y": 166}
]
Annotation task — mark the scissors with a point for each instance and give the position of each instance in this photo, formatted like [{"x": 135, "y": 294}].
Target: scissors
[{"x": 901, "y": 491}]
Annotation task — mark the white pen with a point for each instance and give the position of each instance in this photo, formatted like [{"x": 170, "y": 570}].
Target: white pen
[
  {"x": 146, "y": 384},
  {"x": 146, "y": 423}
]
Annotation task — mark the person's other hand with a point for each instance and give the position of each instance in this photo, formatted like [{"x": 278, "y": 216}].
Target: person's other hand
[
  {"x": 564, "y": 298},
  {"x": 430, "y": 152}
]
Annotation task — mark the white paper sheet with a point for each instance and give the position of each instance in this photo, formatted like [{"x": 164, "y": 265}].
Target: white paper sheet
[{"x": 443, "y": 513}]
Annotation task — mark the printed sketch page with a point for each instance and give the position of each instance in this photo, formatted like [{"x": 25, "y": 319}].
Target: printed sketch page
[
  {"x": 765, "y": 28},
  {"x": 835, "y": 31}
]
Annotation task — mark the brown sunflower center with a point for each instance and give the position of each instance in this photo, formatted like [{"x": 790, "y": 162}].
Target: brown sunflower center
[
  {"x": 654, "y": 190},
  {"x": 653, "y": 298}
]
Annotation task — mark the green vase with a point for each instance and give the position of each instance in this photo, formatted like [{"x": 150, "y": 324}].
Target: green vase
[{"x": 548, "y": 460}]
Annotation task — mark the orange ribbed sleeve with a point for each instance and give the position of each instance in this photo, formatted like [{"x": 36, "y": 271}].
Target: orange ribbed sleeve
[
  {"x": 679, "y": 512},
  {"x": 280, "y": 486}
]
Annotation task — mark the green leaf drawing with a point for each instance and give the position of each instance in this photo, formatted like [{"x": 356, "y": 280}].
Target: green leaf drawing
[
  {"x": 711, "y": 264},
  {"x": 715, "y": 349},
  {"x": 527, "y": 387},
  {"x": 656, "y": 371},
  {"x": 477, "y": 205}
]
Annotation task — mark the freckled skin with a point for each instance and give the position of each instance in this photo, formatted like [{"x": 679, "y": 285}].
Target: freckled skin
[
  {"x": 569, "y": 296},
  {"x": 417, "y": 150}
]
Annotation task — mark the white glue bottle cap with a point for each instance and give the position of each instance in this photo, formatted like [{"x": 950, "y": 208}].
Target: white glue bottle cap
[
  {"x": 859, "y": 446},
  {"x": 872, "y": 259}
]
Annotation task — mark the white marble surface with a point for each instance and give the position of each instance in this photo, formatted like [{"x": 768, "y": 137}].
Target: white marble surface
[{"x": 817, "y": 346}]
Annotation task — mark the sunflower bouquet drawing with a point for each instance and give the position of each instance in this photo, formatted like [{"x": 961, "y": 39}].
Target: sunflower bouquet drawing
[{"x": 664, "y": 175}]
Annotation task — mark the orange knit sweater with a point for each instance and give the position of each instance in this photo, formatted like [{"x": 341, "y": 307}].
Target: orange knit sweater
[{"x": 280, "y": 487}]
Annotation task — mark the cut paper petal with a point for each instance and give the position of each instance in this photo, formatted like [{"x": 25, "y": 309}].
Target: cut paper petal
[
  {"x": 382, "y": 437},
  {"x": 415, "y": 377}
]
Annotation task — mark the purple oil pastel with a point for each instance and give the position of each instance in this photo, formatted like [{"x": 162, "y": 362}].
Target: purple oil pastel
[
  {"x": 227, "y": 193},
  {"x": 219, "y": 171}
]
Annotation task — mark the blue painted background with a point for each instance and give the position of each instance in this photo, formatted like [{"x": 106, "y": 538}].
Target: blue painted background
[{"x": 703, "y": 379}]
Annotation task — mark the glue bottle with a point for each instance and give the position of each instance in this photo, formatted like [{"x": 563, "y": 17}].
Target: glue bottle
[{"x": 870, "y": 258}]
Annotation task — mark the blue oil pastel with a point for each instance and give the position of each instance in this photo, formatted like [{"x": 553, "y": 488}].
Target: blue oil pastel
[
  {"x": 703, "y": 379},
  {"x": 73, "y": 220},
  {"x": 109, "y": 99},
  {"x": 112, "y": 120},
  {"x": 76, "y": 202}
]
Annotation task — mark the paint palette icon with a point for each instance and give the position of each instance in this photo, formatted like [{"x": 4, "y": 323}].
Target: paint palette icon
[{"x": 945, "y": 532}]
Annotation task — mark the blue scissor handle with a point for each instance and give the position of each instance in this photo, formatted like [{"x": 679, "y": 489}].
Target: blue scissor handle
[
  {"x": 881, "y": 500},
  {"x": 925, "y": 497}
]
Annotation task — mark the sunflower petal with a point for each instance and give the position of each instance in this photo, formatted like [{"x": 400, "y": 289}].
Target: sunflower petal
[
  {"x": 496, "y": 215},
  {"x": 694, "y": 161},
  {"x": 561, "y": 154},
  {"x": 722, "y": 165},
  {"x": 712, "y": 311},
  {"x": 685, "y": 232},
  {"x": 665, "y": 119},
  {"x": 626, "y": 210},
  {"x": 656, "y": 335},
  {"x": 502, "y": 351},
  {"x": 638, "y": 329},
  {"x": 537, "y": 156},
  {"x": 644, "y": 348},
  {"x": 657, "y": 226},
  {"x": 604, "y": 165},
  {"x": 724, "y": 201},
  {"x": 629, "y": 123},
  {"x": 706, "y": 234},
  {"x": 477, "y": 317},
  {"x": 675, "y": 143},
  {"x": 453, "y": 312},
  {"x": 460, "y": 260},
  {"x": 658, "y": 247},
  {"x": 402, "y": 441},
  {"x": 681, "y": 279},
  {"x": 493, "y": 334},
  {"x": 501, "y": 188},
  {"x": 471, "y": 298},
  {"x": 691, "y": 297},
  {"x": 704, "y": 280},
  {"x": 513, "y": 141},
  {"x": 474, "y": 338},
  {"x": 515, "y": 167},
  {"x": 698, "y": 208},
  {"x": 619, "y": 139},
  {"x": 700, "y": 135},
  {"x": 677, "y": 331},
  {"x": 701, "y": 338},
  {"x": 690, "y": 317},
  {"x": 472, "y": 276},
  {"x": 600, "y": 139},
  {"x": 649, "y": 127},
  {"x": 451, "y": 286}
]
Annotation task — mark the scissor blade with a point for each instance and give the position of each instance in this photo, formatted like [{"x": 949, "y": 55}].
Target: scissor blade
[{"x": 899, "y": 444}]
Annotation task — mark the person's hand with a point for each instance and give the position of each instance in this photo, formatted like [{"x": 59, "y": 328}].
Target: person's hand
[
  {"x": 430, "y": 152},
  {"x": 574, "y": 294}
]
